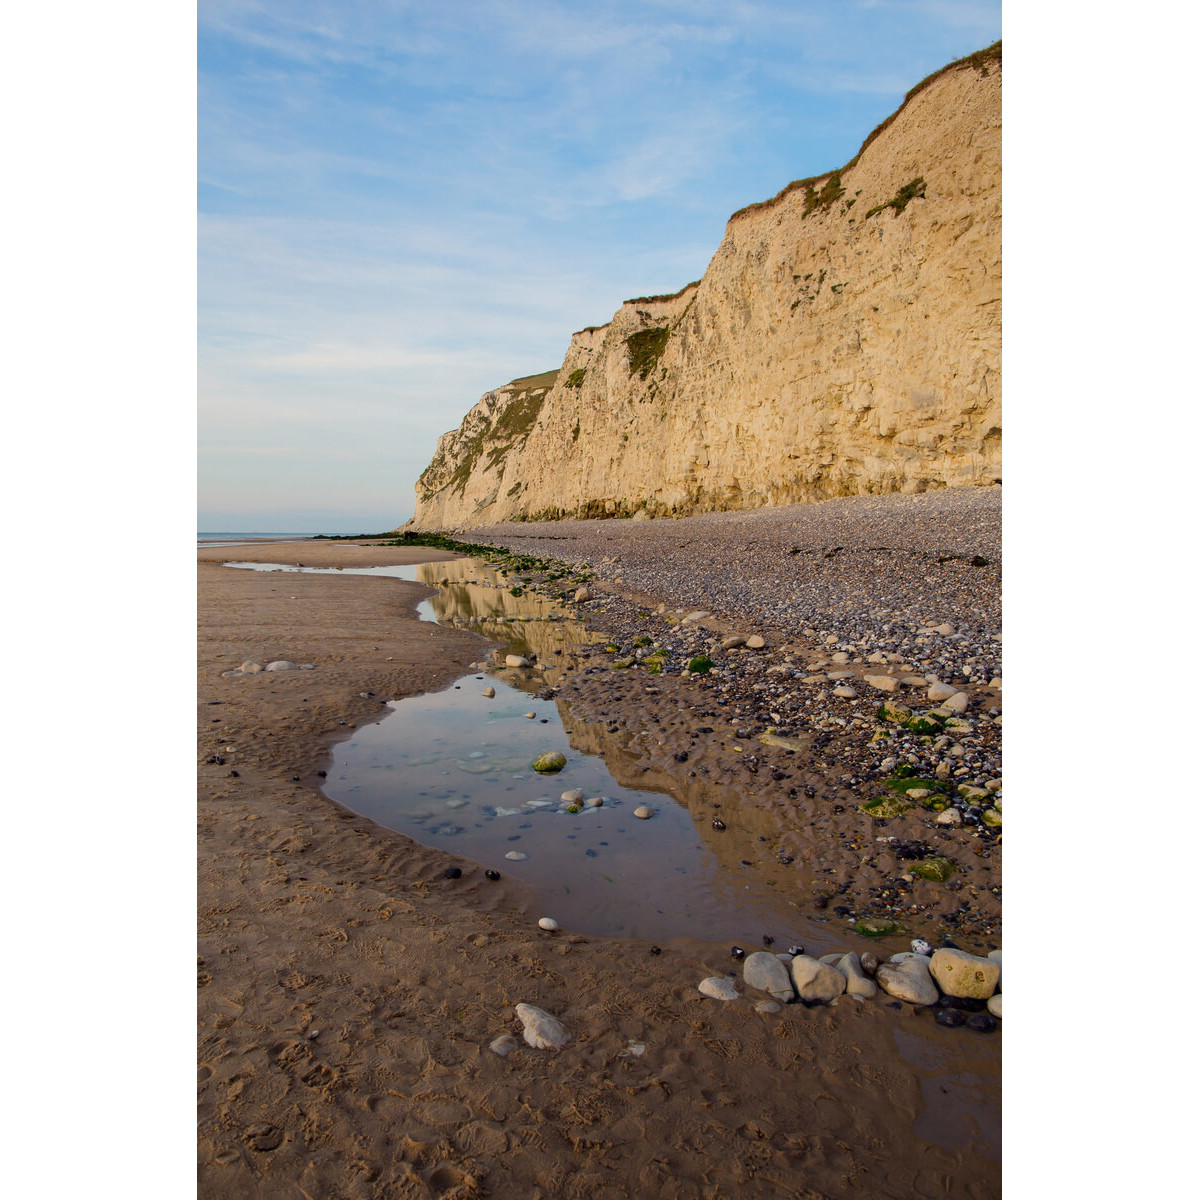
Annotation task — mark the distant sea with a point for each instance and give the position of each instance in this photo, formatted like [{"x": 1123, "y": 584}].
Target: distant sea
[{"x": 227, "y": 536}]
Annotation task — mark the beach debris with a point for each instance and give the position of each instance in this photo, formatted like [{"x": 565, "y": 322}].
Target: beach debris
[
  {"x": 505, "y": 1044},
  {"x": 765, "y": 973},
  {"x": 542, "y": 1031},
  {"x": 643, "y": 812},
  {"x": 549, "y": 763},
  {"x": 549, "y": 924},
  {"x": 488, "y": 692},
  {"x": 717, "y": 987}
]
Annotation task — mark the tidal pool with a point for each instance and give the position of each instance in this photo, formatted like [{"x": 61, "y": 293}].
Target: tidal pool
[{"x": 453, "y": 769}]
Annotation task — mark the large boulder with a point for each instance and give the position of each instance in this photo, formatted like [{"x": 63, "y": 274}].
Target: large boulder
[
  {"x": 908, "y": 979},
  {"x": 815, "y": 982},
  {"x": 766, "y": 973},
  {"x": 961, "y": 974},
  {"x": 857, "y": 983}
]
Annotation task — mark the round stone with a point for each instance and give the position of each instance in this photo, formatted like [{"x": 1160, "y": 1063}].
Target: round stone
[
  {"x": 549, "y": 924},
  {"x": 643, "y": 812}
]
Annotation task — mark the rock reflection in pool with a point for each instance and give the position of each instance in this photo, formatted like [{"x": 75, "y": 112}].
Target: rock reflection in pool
[{"x": 452, "y": 769}]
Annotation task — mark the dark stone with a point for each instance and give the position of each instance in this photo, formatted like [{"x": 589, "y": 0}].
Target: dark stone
[
  {"x": 786, "y": 860},
  {"x": 321, "y": 774},
  {"x": 982, "y": 1023},
  {"x": 810, "y": 791},
  {"x": 655, "y": 950},
  {"x": 768, "y": 940},
  {"x": 490, "y": 874},
  {"x": 795, "y": 951},
  {"x": 738, "y": 952},
  {"x": 718, "y": 824},
  {"x": 234, "y": 774},
  {"x": 681, "y": 756},
  {"x": 979, "y": 561},
  {"x": 452, "y": 873},
  {"x": 950, "y": 1016}
]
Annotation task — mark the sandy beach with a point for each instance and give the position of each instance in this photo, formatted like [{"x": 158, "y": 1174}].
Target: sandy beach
[{"x": 348, "y": 992}]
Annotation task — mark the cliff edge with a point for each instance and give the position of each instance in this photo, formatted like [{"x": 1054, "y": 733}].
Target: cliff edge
[{"x": 844, "y": 339}]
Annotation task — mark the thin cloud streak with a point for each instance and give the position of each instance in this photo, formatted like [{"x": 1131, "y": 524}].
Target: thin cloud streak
[{"x": 403, "y": 206}]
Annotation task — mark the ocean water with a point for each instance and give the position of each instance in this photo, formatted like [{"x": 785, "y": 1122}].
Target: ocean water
[{"x": 238, "y": 538}]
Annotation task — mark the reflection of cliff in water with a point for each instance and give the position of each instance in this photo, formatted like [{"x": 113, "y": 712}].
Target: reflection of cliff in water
[
  {"x": 472, "y": 596},
  {"x": 752, "y": 837}
]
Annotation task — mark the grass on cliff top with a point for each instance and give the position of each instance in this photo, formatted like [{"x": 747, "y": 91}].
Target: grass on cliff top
[
  {"x": 981, "y": 61},
  {"x": 666, "y": 296}
]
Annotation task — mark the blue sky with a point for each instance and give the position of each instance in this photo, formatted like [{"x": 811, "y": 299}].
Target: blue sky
[{"x": 403, "y": 205}]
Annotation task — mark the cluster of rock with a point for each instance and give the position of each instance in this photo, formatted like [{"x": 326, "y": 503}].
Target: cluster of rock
[
  {"x": 250, "y": 667},
  {"x": 944, "y": 977}
]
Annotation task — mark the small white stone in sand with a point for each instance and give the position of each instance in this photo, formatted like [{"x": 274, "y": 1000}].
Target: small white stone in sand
[
  {"x": 549, "y": 924},
  {"x": 542, "y": 1031},
  {"x": 718, "y": 988},
  {"x": 505, "y": 1044}
]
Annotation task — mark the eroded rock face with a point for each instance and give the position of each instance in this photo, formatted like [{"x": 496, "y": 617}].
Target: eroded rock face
[{"x": 831, "y": 348}]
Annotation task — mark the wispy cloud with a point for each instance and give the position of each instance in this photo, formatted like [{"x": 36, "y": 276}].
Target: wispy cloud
[{"x": 405, "y": 204}]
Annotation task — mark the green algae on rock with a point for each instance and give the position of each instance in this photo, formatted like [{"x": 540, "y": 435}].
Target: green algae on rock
[
  {"x": 936, "y": 870},
  {"x": 549, "y": 763}
]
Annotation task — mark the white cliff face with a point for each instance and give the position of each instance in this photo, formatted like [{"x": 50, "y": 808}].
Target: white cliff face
[{"x": 833, "y": 347}]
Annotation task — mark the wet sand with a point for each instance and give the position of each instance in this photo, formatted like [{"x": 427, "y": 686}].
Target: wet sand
[{"x": 313, "y": 921}]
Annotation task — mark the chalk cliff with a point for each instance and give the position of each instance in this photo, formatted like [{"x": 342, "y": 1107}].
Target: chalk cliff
[{"x": 844, "y": 339}]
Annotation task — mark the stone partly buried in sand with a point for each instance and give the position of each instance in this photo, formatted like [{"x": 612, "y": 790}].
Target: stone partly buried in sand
[
  {"x": 716, "y": 987},
  {"x": 542, "y": 1031}
]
